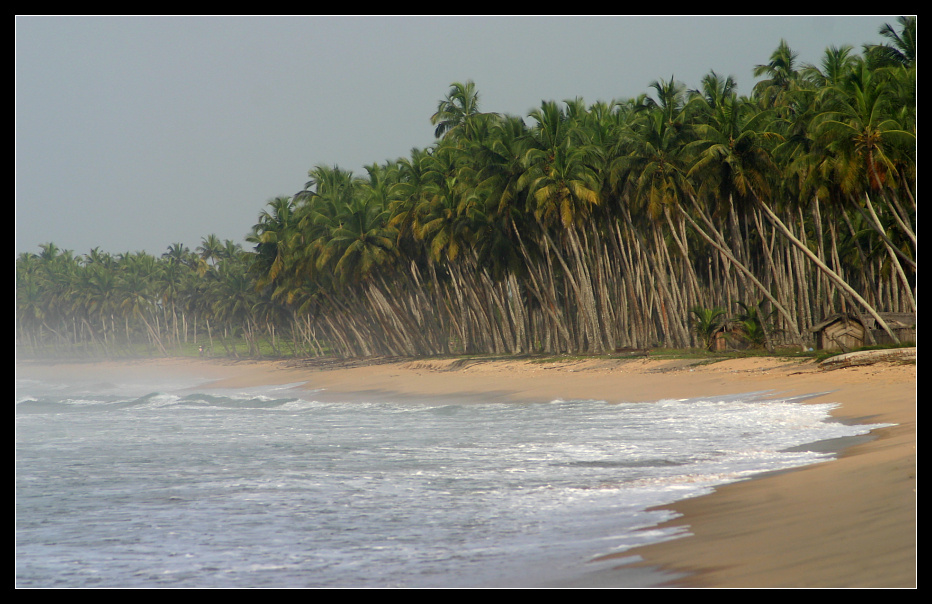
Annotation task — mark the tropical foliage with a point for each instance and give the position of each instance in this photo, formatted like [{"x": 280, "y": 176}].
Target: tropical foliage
[{"x": 582, "y": 228}]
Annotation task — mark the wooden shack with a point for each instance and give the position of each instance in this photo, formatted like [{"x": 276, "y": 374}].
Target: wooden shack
[
  {"x": 846, "y": 331},
  {"x": 729, "y": 337},
  {"x": 903, "y": 325}
]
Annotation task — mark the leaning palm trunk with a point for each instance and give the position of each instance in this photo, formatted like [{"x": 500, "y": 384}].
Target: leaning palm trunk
[
  {"x": 901, "y": 217},
  {"x": 791, "y": 321},
  {"x": 892, "y": 251},
  {"x": 586, "y": 293},
  {"x": 874, "y": 221},
  {"x": 823, "y": 267},
  {"x": 541, "y": 286},
  {"x": 584, "y": 323},
  {"x": 153, "y": 334},
  {"x": 634, "y": 326},
  {"x": 822, "y": 282},
  {"x": 693, "y": 289},
  {"x": 659, "y": 298}
]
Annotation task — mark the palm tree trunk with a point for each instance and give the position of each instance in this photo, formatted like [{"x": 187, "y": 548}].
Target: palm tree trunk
[
  {"x": 791, "y": 321},
  {"x": 822, "y": 266}
]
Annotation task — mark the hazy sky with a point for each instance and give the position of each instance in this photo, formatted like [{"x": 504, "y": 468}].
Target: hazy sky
[{"x": 133, "y": 133}]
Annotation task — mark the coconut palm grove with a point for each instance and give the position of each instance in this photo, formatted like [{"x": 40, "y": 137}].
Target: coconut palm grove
[{"x": 579, "y": 228}]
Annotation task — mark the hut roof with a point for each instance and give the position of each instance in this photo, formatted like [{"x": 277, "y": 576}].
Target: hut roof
[{"x": 893, "y": 320}]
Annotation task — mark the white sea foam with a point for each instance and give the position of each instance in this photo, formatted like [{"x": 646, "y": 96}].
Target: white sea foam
[{"x": 150, "y": 484}]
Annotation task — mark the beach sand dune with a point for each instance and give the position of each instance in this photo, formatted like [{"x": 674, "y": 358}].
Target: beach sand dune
[{"x": 847, "y": 523}]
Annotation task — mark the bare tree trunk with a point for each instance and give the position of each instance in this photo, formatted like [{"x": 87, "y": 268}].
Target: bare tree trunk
[
  {"x": 791, "y": 321},
  {"x": 822, "y": 266}
]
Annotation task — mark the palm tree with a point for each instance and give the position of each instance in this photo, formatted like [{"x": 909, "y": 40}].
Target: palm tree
[
  {"x": 753, "y": 324},
  {"x": 233, "y": 298},
  {"x": 136, "y": 293},
  {"x": 455, "y": 112},
  {"x": 563, "y": 189},
  {"x": 30, "y": 309},
  {"x": 210, "y": 249},
  {"x": 837, "y": 62},
  {"x": 276, "y": 237},
  {"x": 671, "y": 101},
  {"x": 901, "y": 49},
  {"x": 730, "y": 152},
  {"x": 439, "y": 221},
  {"x": 865, "y": 143},
  {"x": 100, "y": 297},
  {"x": 321, "y": 204},
  {"x": 651, "y": 163},
  {"x": 862, "y": 131},
  {"x": 781, "y": 79},
  {"x": 729, "y": 157},
  {"x": 361, "y": 242},
  {"x": 707, "y": 322}
]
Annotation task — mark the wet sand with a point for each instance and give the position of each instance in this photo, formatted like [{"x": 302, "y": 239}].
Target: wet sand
[{"x": 850, "y": 522}]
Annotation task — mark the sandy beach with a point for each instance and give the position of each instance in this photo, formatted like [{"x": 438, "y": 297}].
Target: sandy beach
[{"x": 850, "y": 522}]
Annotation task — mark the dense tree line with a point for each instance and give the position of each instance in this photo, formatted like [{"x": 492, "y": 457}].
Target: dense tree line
[{"x": 583, "y": 228}]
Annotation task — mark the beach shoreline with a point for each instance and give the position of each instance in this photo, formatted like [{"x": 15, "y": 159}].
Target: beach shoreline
[{"x": 850, "y": 522}]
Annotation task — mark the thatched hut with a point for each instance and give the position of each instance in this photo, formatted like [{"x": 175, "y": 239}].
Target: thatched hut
[
  {"x": 846, "y": 331},
  {"x": 729, "y": 336}
]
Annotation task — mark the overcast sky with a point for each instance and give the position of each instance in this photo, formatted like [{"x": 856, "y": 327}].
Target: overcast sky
[{"x": 133, "y": 133}]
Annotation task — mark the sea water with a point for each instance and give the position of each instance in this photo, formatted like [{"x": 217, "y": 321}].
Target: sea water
[{"x": 128, "y": 483}]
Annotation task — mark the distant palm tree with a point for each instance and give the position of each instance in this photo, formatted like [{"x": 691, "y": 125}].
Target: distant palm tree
[
  {"x": 781, "y": 76},
  {"x": 211, "y": 249},
  {"x": 455, "y": 111}
]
